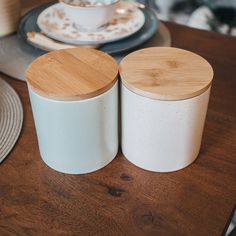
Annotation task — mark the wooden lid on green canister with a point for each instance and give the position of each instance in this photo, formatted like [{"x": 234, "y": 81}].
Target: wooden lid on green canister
[
  {"x": 166, "y": 73},
  {"x": 72, "y": 74}
]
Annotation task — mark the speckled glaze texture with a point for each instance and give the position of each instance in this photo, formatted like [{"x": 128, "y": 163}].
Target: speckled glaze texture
[
  {"x": 159, "y": 135},
  {"x": 77, "y": 137}
]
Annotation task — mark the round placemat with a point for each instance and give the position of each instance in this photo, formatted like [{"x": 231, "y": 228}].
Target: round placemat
[{"x": 11, "y": 118}]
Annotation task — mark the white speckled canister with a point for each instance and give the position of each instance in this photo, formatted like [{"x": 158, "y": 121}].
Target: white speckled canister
[
  {"x": 74, "y": 96},
  {"x": 164, "y": 100}
]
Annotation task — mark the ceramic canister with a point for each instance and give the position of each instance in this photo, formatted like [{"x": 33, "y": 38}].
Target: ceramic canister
[
  {"x": 164, "y": 99},
  {"x": 74, "y": 98}
]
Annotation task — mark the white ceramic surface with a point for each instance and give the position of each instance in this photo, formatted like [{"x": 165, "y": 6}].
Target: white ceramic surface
[
  {"x": 90, "y": 17},
  {"x": 77, "y": 137},
  {"x": 54, "y": 22},
  {"x": 161, "y": 135}
]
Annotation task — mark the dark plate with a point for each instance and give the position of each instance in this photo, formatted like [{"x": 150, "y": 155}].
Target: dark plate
[{"x": 28, "y": 24}]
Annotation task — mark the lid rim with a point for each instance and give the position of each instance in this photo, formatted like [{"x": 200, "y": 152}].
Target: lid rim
[
  {"x": 71, "y": 99},
  {"x": 149, "y": 96}
]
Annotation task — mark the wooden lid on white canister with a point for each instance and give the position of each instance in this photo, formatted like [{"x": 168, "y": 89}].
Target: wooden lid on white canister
[
  {"x": 166, "y": 73},
  {"x": 72, "y": 74}
]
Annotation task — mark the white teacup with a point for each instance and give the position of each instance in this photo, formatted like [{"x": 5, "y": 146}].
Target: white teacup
[{"x": 89, "y": 15}]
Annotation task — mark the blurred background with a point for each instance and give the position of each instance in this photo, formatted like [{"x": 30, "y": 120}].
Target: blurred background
[{"x": 214, "y": 15}]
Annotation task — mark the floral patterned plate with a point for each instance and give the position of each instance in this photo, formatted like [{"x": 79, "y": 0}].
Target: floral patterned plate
[
  {"x": 55, "y": 24},
  {"x": 28, "y": 30}
]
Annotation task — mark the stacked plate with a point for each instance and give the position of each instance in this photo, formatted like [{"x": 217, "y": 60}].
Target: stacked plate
[
  {"x": 48, "y": 28},
  {"x": 9, "y": 16}
]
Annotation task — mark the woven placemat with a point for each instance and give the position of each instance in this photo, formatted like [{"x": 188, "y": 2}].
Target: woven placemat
[
  {"x": 11, "y": 118},
  {"x": 16, "y": 55}
]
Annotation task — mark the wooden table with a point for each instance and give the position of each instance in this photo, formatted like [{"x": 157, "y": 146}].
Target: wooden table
[{"x": 122, "y": 199}]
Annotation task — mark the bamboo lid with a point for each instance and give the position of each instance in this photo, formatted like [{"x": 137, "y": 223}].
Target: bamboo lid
[
  {"x": 166, "y": 73},
  {"x": 72, "y": 74}
]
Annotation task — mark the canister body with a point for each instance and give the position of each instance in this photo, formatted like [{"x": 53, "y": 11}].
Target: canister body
[
  {"x": 80, "y": 136},
  {"x": 161, "y": 135}
]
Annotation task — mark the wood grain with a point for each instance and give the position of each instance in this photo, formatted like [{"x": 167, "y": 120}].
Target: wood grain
[
  {"x": 166, "y": 73},
  {"x": 122, "y": 199},
  {"x": 9, "y": 16},
  {"x": 72, "y": 74}
]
